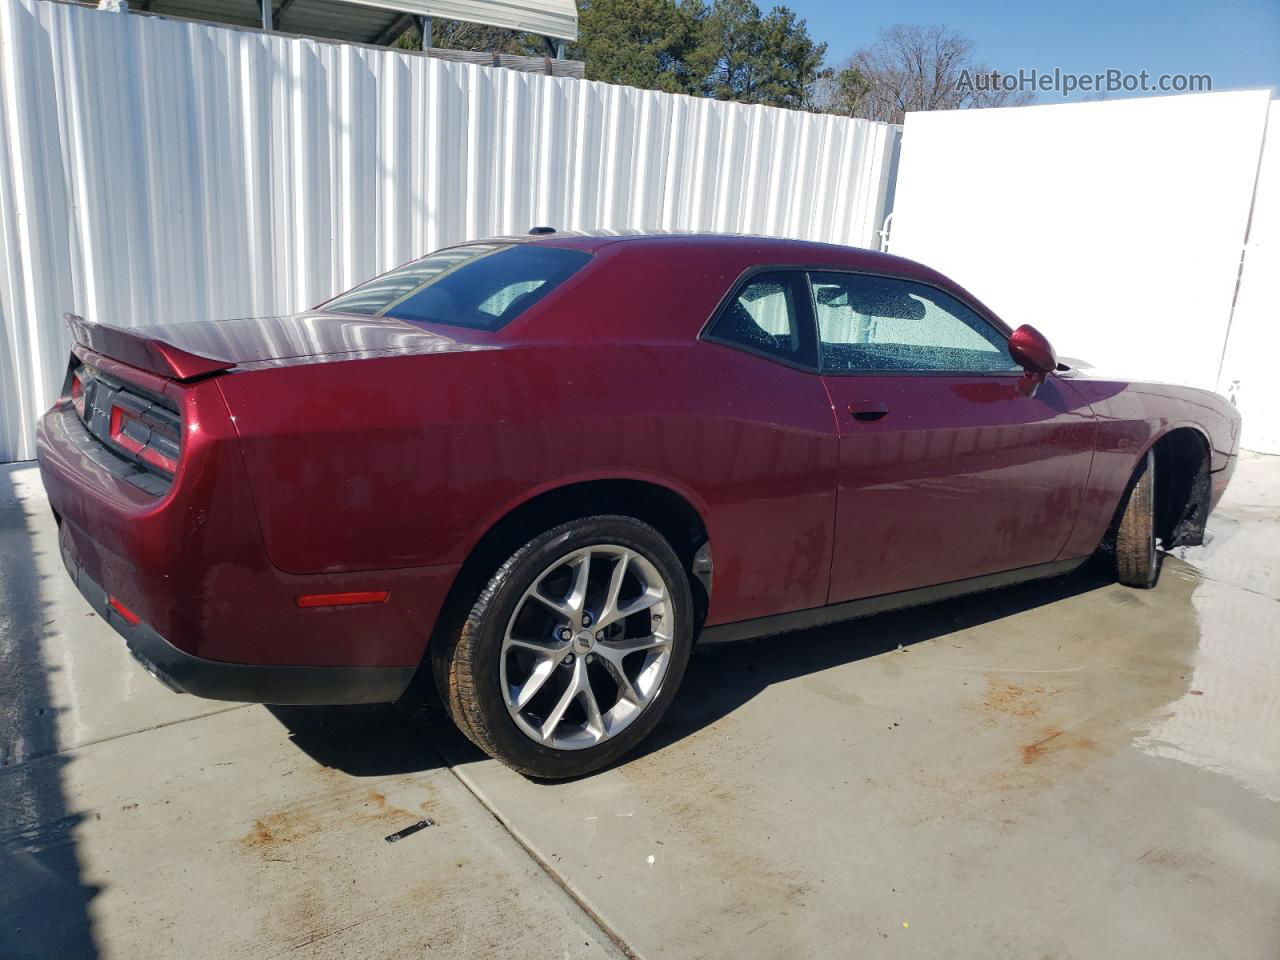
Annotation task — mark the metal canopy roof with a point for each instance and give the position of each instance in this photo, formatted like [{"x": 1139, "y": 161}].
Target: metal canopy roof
[
  {"x": 374, "y": 21},
  {"x": 547, "y": 18}
]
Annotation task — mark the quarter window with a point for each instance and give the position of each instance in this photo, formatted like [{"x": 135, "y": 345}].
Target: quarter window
[
  {"x": 478, "y": 285},
  {"x": 764, "y": 317},
  {"x": 870, "y": 323}
]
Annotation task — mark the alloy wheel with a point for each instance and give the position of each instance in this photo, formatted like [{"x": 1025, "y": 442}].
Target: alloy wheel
[{"x": 587, "y": 648}]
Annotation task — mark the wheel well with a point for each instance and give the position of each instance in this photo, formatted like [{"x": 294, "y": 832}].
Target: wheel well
[
  {"x": 663, "y": 509},
  {"x": 1182, "y": 487}
]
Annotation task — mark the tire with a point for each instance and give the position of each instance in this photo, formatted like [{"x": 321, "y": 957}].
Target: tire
[
  {"x": 443, "y": 644},
  {"x": 1137, "y": 564},
  {"x": 562, "y": 654}
]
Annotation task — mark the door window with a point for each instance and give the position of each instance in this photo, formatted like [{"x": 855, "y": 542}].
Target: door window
[{"x": 868, "y": 323}]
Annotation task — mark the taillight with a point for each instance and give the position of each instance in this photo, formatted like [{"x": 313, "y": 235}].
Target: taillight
[
  {"x": 149, "y": 434},
  {"x": 128, "y": 431},
  {"x": 138, "y": 425},
  {"x": 77, "y": 393}
]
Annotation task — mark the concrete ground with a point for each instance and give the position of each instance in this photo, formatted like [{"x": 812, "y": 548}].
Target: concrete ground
[{"x": 1065, "y": 769}]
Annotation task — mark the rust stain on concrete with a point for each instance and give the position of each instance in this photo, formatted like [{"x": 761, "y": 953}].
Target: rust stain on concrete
[
  {"x": 1056, "y": 741},
  {"x": 274, "y": 830},
  {"x": 1004, "y": 697}
]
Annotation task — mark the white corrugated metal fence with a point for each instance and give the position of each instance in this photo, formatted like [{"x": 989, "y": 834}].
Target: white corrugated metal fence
[{"x": 157, "y": 169}]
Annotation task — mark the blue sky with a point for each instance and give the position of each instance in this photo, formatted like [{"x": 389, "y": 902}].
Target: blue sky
[{"x": 1235, "y": 41}]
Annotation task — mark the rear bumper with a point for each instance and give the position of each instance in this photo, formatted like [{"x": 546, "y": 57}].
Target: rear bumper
[{"x": 217, "y": 680}]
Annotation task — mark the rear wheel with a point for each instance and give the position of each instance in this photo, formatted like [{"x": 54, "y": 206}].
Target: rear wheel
[
  {"x": 1136, "y": 560},
  {"x": 574, "y": 649}
]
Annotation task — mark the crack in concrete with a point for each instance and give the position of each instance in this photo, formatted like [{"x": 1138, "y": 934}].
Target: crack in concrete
[{"x": 46, "y": 754}]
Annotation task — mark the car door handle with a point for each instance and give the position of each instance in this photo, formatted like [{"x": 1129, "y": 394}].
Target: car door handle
[{"x": 868, "y": 410}]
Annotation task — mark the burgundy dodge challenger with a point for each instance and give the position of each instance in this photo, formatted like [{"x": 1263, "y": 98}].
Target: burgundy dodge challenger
[{"x": 539, "y": 468}]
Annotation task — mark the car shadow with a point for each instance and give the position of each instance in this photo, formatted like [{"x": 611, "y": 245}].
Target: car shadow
[
  {"x": 416, "y": 734},
  {"x": 723, "y": 677},
  {"x": 375, "y": 740}
]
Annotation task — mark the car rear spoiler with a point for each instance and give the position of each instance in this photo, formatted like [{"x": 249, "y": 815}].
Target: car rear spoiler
[{"x": 143, "y": 352}]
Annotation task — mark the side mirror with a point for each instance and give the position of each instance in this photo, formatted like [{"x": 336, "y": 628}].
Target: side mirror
[{"x": 1031, "y": 351}]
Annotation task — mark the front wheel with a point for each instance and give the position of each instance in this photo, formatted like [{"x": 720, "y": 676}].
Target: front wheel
[
  {"x": 575, "y": 647},
  {"x": 1136, "y": 561}
]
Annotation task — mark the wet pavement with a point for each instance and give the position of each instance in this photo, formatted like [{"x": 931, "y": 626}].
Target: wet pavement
[{"x": 1064, "y": 769}]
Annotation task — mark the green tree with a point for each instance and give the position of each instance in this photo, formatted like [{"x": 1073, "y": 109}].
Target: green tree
[
  {"x": 729, "y": 50},
  {"x": 846, "y": 92},
  {"x": 641, "y": 43},
  {"x": 744, "y": 56}
]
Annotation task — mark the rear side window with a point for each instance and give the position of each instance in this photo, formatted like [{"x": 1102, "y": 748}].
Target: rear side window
[
  {"x": 483, "y": 286},
  {"x": 766, "y": 315}
]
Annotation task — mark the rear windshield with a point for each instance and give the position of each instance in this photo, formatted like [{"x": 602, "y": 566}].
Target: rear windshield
[{"x": 482, "y": 285}]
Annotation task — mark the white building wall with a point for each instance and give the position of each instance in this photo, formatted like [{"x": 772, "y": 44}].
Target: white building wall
[
  {"x": 1114, "y": 227},
  {"x": 1250, "y": 375},
  {"x": 157, "y": 170}
]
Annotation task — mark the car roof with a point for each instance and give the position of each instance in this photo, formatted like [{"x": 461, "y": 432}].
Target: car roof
[
  {"x": 751, "y": 249},
  {"x": 764, "y": 248},
  {"x": 786, "y": 248}
]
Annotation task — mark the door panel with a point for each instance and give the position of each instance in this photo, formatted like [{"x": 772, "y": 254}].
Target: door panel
[
  {"x": 959, "y": 476},
  {"x": 770, "y": 445}
]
